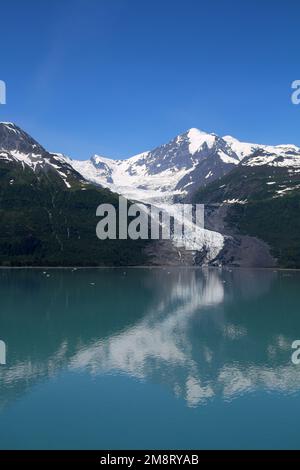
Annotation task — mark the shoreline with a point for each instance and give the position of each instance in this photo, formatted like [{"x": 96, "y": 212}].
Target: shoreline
[{"x": 163, "y": 267}]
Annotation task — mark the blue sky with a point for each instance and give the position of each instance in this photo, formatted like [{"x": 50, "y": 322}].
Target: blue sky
[{"x": 117, "y": 77}]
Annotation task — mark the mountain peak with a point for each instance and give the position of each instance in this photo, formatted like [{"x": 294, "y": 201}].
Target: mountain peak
[
  {"x": 195, "y": 130},
  {"x": 7, "y": 123},
  {"x": 230, "y": 138},
  {"x": 13, "y": 138},
  {"x": 241, "y": 149},
  {"x": 198, "y": 138},
  {"x": 9, "y": 127}
]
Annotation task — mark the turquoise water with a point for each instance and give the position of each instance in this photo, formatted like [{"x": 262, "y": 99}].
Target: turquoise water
[{"x": 149, "y": 358}]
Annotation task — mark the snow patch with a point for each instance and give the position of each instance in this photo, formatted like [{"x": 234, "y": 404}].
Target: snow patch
[
  {"x": 235, "y": 201},
  {"x": 198, "y": 138}
]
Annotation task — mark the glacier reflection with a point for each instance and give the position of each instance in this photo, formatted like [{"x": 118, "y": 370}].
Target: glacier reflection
[{"x": 203, "y": 333}]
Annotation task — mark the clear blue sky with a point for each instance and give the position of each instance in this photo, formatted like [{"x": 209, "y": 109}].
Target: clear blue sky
[{"x": 117, "y": 77}]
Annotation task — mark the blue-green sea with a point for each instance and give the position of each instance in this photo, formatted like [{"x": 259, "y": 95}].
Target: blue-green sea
[{"x": 156, "y": 358}]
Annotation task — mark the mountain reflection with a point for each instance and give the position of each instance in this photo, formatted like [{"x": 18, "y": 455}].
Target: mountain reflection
[{"x": 202, "y": 333}]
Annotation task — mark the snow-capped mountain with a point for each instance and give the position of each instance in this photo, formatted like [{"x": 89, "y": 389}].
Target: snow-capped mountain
[
  {"x": 19, "y": 147},
  {"x": 48, "y": 210},
  {"x": 189, "y": 161},
  {"x": 172, "y": 172},
  {"x": 15, "y": 140},
  {"x": 176, "y": 170},
  {"x": 168, "y": 171},
  {"x": 287, "y": 156},
  {"x": 257, "y": 154}
]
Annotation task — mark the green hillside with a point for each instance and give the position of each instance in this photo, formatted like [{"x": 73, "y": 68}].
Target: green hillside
[
  {"x": 43, "y": 223},
  {"x": 271, "y": 208}
]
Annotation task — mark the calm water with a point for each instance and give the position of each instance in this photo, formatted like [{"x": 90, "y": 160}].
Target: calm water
[{"x": 141, "y": 358}]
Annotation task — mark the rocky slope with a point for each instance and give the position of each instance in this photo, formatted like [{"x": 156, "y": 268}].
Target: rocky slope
[
  {"x": 251, "y": 194},
  {"x": 48, "y": 210}
]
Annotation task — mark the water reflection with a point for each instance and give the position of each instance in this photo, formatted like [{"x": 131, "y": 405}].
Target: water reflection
[{"x": 203, "y": 334}]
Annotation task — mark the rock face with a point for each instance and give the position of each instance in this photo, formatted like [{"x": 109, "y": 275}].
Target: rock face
[
  {"x": 48, "y": 210},
  {"x": 256, "y": 204},
  {"x": 173, "y": 171},
  {"x": 16, "y": 146},
  {"x": 236, "y": 181},
  {"x": 205, "y": 168},
  {"x": 14, "y": 139},
  {"x": 168, "y": 172}
]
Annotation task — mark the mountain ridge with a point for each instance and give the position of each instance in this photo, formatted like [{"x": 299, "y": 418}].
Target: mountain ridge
[
  {"x": 48, "y": 210},
  {"x": 234, "y": 180},
  {"x": 189, "y": 160}
]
